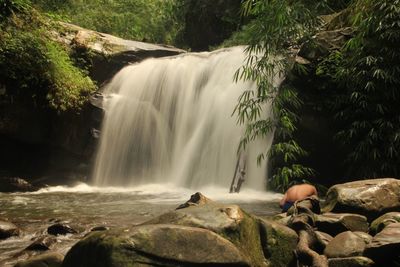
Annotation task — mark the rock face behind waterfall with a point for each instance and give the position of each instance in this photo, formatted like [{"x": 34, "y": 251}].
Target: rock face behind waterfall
[{"x": 210, "y": 234}]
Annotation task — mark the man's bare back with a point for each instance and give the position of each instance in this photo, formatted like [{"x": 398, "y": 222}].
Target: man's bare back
[{"x": 297, "y": 192}]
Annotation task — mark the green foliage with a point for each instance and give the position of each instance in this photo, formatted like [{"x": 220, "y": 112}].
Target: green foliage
[
  {"x": 156, "y": 21},
  {"x": 209, "y": 23},
  {"x": 277, "y": 26},
  {"x": 36, "y": 69},
  {"x": 8, "y": 7},
  {"x": 367, "y": 103}
]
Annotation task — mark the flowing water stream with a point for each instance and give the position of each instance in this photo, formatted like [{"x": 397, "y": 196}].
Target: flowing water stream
[{"x": 168, "y": 132}]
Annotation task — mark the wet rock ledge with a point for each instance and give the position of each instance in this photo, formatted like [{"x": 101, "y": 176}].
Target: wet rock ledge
[{"x": 202, "y": 232}]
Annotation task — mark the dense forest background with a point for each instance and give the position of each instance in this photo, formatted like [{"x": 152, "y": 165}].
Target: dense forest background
[{"x": 336, "y": 116}]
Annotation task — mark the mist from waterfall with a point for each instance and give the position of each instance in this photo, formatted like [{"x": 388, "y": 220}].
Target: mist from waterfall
[{"x": 169, "y": 120}]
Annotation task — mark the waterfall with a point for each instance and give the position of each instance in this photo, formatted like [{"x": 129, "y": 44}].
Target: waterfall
[{"x": 169, "y": 120}]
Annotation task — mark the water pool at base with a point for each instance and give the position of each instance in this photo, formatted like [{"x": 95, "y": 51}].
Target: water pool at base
[{"x": 85, "y": 207}]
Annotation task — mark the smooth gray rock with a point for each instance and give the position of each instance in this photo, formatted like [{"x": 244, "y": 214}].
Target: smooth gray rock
[
  {"x": 346, "y": 244},
  {"x": 370, "y": 198},
  {"x": 335, "y": 223}
]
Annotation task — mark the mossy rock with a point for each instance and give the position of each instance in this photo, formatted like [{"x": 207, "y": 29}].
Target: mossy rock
[
  {"x": 279, "y": 243},
  {"x": 229, "y": 221},
  {"x": 154, "y": 245}
]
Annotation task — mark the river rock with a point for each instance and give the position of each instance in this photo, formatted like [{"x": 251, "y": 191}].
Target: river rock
[
  {"x": 49, "y": 259},
  {"x": 216, "y": 217},
  {"x": 279, "y": 243},
  {"x": 42, "y": 243},
  {"x": 371, "y": 198},
  {"x": 335, "y": 223},
  {"x": 15, "y": 184},
  {"x": 229, "y": 221},
  {"x": 378, "y": 224},
  {"x": 385, "y": 246},
  {"x": 154, "y": 245},
  {"x": 346, "y": 244},
  {"x": 323, "y": 239},
  {"x": 195, "y": 200},
  {"x": 8, "y": 229},
  {"x": 60, "y": 229},
  {"x": 358, "y": 261}
]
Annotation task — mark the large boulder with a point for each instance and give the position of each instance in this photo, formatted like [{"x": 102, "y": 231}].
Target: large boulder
[
  {"x": 15, "y": 184},
  {"x": 154, "y": 245},
  {"x": 335, "y": 223},
  {"x": 229, "y": 221},
  {"x": 109, "y": 53},
  {"x": 385, "y": 246},
  {"x": 279, "y": 243},
  {"x": 201, "y": 234},
  {"x": 347, "y": 244},
  {"x": 8, "y": 229},
  {"x": 49, "y": 259},
  {"x": 378, "y": 224},
  {"x": 371, "y": 198}
]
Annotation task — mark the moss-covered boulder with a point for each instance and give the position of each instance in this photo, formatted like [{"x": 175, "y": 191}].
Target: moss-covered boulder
[
  {"x": 229, "y": 221},
  {"x": 154, "y": 245},
  {"x": 279, "y": 243},
  {"x": 107, "y": 53},
  {"x": 378, "y": 224},
  {"x": 209, "y": 234},
  {"x": 370, "y": 198}
]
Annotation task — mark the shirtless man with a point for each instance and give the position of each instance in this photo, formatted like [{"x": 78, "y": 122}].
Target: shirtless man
[{"x": 296, "y": 192}]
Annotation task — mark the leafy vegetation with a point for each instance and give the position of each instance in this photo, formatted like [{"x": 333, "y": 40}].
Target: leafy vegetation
[
  {"x": 361, "y": 82},
  {"x": 36, "y": 69},
  {"x": 277, "y": 26},
  {"x": 156, "y": 21},
  {"x": 366, "y": 75}
]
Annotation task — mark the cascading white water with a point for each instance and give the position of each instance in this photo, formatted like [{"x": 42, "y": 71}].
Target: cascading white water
[{"x": 170, "y": 120}]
